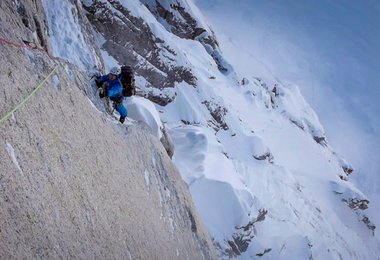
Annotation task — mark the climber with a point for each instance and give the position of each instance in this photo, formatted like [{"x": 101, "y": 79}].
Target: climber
[{"x": 109, "y": 85}]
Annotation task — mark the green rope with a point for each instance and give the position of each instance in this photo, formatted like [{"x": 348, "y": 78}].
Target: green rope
[{"x": 4, "y": 118}]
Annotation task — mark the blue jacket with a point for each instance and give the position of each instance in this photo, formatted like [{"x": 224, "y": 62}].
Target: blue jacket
[
  {"x": 115, "y": 93},
  {"x": 114, "y": 87}
]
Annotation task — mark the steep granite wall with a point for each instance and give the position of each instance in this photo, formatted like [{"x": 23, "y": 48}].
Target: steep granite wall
[{"x": 73, "y": 182}]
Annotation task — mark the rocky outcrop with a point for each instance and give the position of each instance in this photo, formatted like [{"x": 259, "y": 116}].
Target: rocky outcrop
[
  {"x": 217, "y": 113},
  {"x": 74, "y": 183},
  {"x": 356, "y": 202},
  {"x": 359, "y": 205},
  {"x": 28, "y": 18},
  {"x": 177, "y": 17},
  {"x": 175, "y": 14},
  {"x": 167, "y": 142},
  {"x": 130, "y": 40},
  {"x": 243, "y": 237}
]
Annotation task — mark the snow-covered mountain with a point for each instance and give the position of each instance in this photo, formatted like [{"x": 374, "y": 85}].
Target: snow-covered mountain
[
  {"x": 257, "y": 161},
  {"x": 327, "y": 48},
  {"x": 256, "y": 158}
]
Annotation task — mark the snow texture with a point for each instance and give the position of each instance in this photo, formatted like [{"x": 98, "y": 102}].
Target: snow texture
[
  {"x": 11, "y": 152},
  {"x": 143, "y": 110},
  {"x": 67, "y": 36},
  {"x": 327, "y": 48}
]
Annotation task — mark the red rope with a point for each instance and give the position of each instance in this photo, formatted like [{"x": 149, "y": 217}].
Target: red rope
[{"x": 26, "y": 46}]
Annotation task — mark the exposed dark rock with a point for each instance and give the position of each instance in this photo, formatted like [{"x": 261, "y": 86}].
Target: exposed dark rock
[
  {"x": 238, "y": 244},
  {"x": 39, "y": 29},
  {"x": 226, "y": 155},
  {"x": 343, "y": 178},
  {"x": 186, "y": 122},
  {"x": 357, "y": 203},
  {"x": 297, "y": 123},
  {"x": 275, "y": 90},
  {"x": 347, "y": 169},
  {"x": 241, "y": 239},
  {"x": 188, "y": 28},
  {"x": 159, "y": 99},
  {"x": 320, "y": 139},
  {"x": 130, "y": 40},
  {"x": 27, "y": 15},
  {"x": 260, "y": 217},
  {"x": 192, "y": 220},
  {"x": 369, "y": 224},
  {"x": 244, "y": 81},
  {"x": 267, "y": 250},
  {"x": 267, "y": 156},
  {"x": 217, "y": 112},
  {"x": 22, "y": 12},
  {"x": 167, "y": 142}
]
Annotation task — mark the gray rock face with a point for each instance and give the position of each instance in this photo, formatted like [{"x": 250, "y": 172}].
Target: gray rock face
[
  {"x": 179, "y": 20},
  {"x": 130, "y": 41},
  {"x": 243, "y": 237},
  {"x": 74, "y": 183},
  {"x": 28, "y": 17}
]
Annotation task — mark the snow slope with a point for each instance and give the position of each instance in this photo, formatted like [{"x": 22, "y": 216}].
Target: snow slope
[
  {"x": 295, "y": 180},
  {"x": 256, "y": 159},
  {"x": 330, "y": 50}
]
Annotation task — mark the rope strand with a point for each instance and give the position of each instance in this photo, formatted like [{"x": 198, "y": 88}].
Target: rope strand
[
  {"x": 19, "y": 105},
  {"x": 26, "y": 46}
]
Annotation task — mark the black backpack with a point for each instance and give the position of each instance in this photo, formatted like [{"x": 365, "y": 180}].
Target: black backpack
[{"x": 128, "y": 81}]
